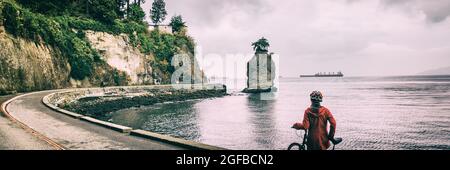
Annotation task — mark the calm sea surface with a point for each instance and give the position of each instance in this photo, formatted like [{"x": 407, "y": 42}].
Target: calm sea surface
[{"x": 410, "y": 112}]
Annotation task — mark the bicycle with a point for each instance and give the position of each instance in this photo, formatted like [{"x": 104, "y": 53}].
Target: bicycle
[{"x": 303, "y": 146}]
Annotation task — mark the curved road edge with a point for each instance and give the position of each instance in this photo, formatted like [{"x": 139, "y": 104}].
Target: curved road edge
[{"x": 3, "y": 109}]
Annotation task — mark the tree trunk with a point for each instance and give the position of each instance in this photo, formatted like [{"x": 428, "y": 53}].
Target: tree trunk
[
  {"x": 128, "y": 7},
  {"x": 87, "y": 7}
]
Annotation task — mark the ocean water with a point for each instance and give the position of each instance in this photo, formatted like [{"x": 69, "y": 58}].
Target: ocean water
[{"x": 372, "y": 113}]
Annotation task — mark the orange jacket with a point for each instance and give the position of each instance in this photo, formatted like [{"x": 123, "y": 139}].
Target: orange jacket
[{"x": 316, "y": 123}]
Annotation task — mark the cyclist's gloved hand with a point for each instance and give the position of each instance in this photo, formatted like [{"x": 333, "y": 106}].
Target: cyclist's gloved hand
[{"x": 298, "y": 126}]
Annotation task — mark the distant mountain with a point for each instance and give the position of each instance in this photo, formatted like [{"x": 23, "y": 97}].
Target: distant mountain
[{"x": 439, "y": 71}]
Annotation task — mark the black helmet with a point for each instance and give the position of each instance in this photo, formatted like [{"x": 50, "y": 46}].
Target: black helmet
[{"x": 316, "y": 96}]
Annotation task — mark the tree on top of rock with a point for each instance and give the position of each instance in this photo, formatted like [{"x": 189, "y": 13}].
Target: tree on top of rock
[
  {"x": 261, "y": 46},
  {"x": 158, "y": 11},
  {"x": 136, "y": 13},
  {"x": 177, "y": 23}
]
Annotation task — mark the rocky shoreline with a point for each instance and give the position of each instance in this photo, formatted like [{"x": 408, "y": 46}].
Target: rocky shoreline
[{"x": 100, "y": 106}]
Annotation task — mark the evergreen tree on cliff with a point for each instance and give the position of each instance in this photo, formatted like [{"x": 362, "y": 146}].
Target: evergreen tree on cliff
[
  {"x": 104, "y": 10},
  {"x": 158, "y": 11},
  {"x": 121, "y": 8},
  {"x": 261, "y": 46},
  {"x": 177, "y": 23},
  {"x": 136, "y": 13}
]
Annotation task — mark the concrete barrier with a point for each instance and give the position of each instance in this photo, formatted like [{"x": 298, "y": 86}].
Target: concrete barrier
[
  {"x": 116, "y": 127},
  {"x": 174, "y": 141},
  {"x": 46, "y": 102}
]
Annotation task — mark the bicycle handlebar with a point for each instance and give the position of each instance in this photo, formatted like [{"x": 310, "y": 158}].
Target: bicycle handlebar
[{"x": 334, "y": 141}]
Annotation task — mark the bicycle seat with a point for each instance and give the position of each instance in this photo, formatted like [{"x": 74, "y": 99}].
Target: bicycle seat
[{"x": 336, "y": 141}]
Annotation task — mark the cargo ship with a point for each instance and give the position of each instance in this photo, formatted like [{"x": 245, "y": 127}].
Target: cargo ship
[{"x": 338, "y": 74}]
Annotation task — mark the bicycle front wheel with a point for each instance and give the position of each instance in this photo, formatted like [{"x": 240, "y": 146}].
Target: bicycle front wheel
[{"x": 296, "y": 146}]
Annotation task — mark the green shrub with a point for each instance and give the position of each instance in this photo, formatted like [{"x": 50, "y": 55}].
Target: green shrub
[
  {"x": 88, "y": 24},
  {"x": 49, "y": 7},
  {"x": 177, "y": 23},
  {"x": 1, "y": 9},
  {"x": 105, "y": 11},
  {"x": 120, "y": 78},
  {"x": 136, "y": 13},
  {"x": 23, "y": 23},
  {"x": 82, "y": 58},
  {"x": 12, "y": 18}
]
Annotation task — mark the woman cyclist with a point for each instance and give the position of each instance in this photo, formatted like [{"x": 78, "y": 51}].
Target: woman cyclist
[{"x": 315, "y": 120}]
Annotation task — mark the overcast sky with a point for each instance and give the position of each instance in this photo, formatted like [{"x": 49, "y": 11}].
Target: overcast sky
[{"x": 358, "y": 37}]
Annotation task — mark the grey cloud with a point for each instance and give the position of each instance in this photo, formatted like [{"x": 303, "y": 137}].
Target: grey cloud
[
  {"x": 396, "y": 2},
  {"x": 435, "y": 10}
]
